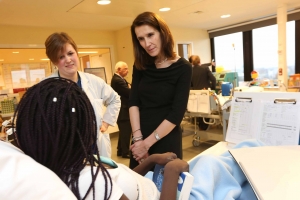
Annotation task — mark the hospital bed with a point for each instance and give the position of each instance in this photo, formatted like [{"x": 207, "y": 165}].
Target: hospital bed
[{"x": 208, "y": 105}]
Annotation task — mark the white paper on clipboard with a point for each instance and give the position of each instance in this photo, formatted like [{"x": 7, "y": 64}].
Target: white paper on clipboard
[
  {"x": 264, "y": 116},
  {"x": 279, "y": 123},
  {"x": 241, "y": 125}
]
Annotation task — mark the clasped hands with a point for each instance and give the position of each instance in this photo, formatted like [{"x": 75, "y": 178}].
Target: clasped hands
[{"x": 139, "y": 151}]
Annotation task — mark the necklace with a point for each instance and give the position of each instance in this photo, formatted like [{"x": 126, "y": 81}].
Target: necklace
[{"x": 159, "y": 63}]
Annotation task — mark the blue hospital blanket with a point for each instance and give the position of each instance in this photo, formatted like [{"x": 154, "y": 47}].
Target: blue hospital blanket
[{"x": 220, "y": 177}]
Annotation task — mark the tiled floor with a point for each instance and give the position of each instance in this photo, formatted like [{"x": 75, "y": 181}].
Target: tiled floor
[{"x": 189, "y": 151}]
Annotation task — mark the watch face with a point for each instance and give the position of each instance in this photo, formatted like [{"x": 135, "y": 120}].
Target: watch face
[{"x": 156, "y": 135}]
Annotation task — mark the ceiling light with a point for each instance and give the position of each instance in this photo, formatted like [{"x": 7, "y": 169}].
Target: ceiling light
[
  {"x": 225, "y": 16},
  {"x": 31, "y": 58},
  {"x": 164, "y": 9},
  {"x": 15, "y": 52},
  {"x": 45, "y": 59},
  {"x": 1, "y": 60},
  {"x": 87, "y": 52},
  {"x": 103, "y": 2}
]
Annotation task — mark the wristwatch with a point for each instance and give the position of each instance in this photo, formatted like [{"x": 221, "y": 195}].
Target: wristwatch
[{"x": 156, "y": 135}]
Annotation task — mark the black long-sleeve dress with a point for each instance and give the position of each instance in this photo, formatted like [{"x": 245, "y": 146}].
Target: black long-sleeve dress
[{"x": 161, "y": 94}]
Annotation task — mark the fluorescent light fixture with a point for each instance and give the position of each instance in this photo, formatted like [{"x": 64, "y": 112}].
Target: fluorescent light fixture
[
  {"x": 87, "y": 52},
  {"x": 164, "y": 9},
  {"x": 45, "y": 59},
  {"x": 31, "y": 58},
  {"x": 1, "y": 60},
  {"x": 225, "y": 16},
  {"x": 103, "y": 2},
  {"x": 15, "y": 52}
]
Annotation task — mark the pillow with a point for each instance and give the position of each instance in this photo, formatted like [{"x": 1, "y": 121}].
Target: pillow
[{"x": 21, "y": 177}]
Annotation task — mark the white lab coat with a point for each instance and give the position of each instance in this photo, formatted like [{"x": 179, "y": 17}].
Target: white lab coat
[{"x": 100, "y": 94}]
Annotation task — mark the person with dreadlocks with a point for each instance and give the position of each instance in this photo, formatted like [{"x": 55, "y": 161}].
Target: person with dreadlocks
[
  {"x": 55, "y": 125},
  {"x": 62, "y": 51},
  {"x": 55, "y": 129}
]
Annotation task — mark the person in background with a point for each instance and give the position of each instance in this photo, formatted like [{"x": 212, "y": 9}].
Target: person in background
[
  {"x": 160, "y": 89},
  {"x": 122, "y": 87},
  {"x": 191, "y": 58},
  {"x": 191, "y": 61},
  {"x": 202, "y": 78},
  {"x": 62, "y": 52},
  {"x": 49, "y": 129}
]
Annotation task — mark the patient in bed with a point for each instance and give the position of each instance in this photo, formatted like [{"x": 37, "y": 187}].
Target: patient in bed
[{"x": 56, "y": 127}]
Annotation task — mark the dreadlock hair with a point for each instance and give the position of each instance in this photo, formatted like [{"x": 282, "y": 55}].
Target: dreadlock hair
[{"x": 56, "y": 126}]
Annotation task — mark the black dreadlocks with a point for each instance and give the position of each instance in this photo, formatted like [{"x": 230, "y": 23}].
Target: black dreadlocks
[{"x": 56, "y": 126}]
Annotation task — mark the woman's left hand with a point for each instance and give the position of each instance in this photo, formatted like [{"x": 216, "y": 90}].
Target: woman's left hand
[
  {"x": 139, "y": 150},
  {"x": 103, "y": 127}
]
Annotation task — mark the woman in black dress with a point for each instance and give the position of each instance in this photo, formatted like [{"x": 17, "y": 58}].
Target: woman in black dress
[{"x": 160, "y": 90}]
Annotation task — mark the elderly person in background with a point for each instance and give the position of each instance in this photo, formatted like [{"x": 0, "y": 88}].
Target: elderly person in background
[{"x": 122, "y": 87}]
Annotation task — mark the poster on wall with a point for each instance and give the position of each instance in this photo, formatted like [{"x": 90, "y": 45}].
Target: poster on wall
[
  {"x": 1, "y": 78},
  {"x": 99, "y": 71},
  {"x": 36, "y": 75},
  {"x": 19, "y": 79}
]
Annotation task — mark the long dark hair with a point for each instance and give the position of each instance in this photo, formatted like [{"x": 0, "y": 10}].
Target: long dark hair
[
  {"x": 56, "y": 126},
  {"x": 167, "y": 42}
]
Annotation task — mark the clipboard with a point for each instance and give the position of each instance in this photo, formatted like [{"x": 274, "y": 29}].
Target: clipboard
[
  {"x": 271, "y": 117},
  {"x": 271, "y": 177}
]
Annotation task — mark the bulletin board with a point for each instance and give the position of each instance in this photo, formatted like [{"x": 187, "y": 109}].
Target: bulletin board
[{"x": 99, "y": 71}]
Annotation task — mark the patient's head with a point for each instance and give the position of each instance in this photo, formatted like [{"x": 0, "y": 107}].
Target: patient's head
[{"x": 56, "y": 126}]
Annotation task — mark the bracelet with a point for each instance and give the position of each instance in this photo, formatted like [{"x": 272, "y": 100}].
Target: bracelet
[
  {"x": 134, "y": 140},
  {"x": 136, "y": 131},
  {"x": 138, "y": 138},
  {"x": 156, "y": 135}
]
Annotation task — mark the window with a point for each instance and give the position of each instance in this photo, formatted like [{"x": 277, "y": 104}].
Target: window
[
  {"x": 229, "y": 53},
  {"x": 265, "y": 50}
]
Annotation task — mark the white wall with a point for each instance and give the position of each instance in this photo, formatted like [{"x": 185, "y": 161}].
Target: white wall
[{"x": 198, "y": 38}]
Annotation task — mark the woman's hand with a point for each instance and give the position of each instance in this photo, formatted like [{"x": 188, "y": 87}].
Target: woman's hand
[
  {"x": 139, "y": 150},
  {"x": 104, "y": 127},
  {"x": 143, "y": 159}
]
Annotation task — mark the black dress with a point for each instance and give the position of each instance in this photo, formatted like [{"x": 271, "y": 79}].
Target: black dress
[{"x": 161, "y": 94}]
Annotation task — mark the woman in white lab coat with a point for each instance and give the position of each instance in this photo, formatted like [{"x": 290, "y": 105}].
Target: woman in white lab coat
[{"x": 62, "y": 51}]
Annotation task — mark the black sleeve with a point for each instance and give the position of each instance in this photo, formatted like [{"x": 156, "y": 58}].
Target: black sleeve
[
  {"x": 134, "y": 95},
  {"x": 181, "y": 98},
  {"x": 212, "y": 79},
  {"x": 120, "y": 86}
]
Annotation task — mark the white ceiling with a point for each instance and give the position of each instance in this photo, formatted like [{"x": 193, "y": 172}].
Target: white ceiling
[{"x": 87, "y": 14}]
